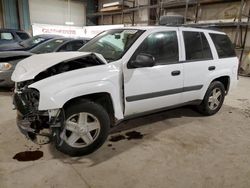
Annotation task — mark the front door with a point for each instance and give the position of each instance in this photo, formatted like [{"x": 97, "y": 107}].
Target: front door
[{"x": 160, "y": 86}]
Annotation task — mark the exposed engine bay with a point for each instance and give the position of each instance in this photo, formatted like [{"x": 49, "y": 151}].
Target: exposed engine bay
[
  {"x": 69, "y": 65},
  {"x": 38, "y": 125}
]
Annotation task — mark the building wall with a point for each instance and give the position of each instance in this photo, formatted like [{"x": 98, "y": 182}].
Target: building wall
[
  {"x": 209, "y": 12},
  {"x": 140, "y": 17},
  {"x": 1, "y": 15},
  {"x": 57, "y": 12},
  {"x": 10, "y": 14}
]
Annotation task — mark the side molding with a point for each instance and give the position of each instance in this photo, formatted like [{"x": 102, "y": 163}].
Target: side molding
[{"x": 162, "y": 93}]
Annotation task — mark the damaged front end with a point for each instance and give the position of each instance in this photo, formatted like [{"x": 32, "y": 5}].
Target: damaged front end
[
  {"x": 38, "y": 124},
  {"x": 34, "y": 124}
]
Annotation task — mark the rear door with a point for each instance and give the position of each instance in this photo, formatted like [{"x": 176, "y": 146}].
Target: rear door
[
  {"x": 150, "y": 88},
  {"x": 198, "y": 65}
]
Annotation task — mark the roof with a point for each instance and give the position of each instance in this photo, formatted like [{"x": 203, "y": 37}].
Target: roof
[
  {"x": 68, "y": 38},
  {"x": 48, "y": 36},
  {"x": 152, "y": 28}
]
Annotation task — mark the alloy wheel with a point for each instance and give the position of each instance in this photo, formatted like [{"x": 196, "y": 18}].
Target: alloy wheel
[
  {"x": 214, "y": 99},
  {"x": 81, "y": 130}
]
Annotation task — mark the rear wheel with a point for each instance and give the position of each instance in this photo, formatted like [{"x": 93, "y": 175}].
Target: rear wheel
[
  {"x": 86, "y": 128},
  {"x": 213, "y": 99}
]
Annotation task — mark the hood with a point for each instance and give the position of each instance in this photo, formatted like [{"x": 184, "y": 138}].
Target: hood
[
  {"x": 8, "y": 54},
  {"x": 30, "y": 67},
  {"x": 11, "y": 46}
]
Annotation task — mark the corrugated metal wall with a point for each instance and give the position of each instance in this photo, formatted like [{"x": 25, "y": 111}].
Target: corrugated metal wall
[
  {"x": 15, "y": 14},
  {"x": 24, "y": 15},
  {"x": 57, "y": 12},
  {"x": 10, "y": 14}
]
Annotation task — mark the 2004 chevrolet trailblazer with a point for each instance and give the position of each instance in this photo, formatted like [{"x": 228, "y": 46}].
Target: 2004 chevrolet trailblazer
[{"x": 119, "y": 74}]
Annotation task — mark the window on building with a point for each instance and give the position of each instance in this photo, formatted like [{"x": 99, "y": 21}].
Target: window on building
[
  {"x": 196, "y": 46},
  {"x": 163, "y": 46},
  {"x": 223, "y": 45}
]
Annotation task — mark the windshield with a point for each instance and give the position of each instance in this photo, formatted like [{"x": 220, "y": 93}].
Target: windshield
[
  {"x": 112, "y": 44},
  {"x": 48, "y": 46},
  {"x": 29, "y": 43}
]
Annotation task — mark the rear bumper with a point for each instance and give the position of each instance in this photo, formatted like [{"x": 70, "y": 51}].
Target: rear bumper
[
  {"x": 233, "y": 85},
  {"x": 5, "y": 79}
]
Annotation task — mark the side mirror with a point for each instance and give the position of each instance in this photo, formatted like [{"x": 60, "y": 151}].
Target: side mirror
[{"x": 142, "y": 60}]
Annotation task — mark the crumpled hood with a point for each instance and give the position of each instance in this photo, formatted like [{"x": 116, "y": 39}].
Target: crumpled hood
[{"x": 28, "y": 68}]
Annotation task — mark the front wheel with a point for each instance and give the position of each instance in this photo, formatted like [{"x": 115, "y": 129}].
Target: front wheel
[
  {"x": 213, "y": 99},
  {"x": 86, "y": 128}
]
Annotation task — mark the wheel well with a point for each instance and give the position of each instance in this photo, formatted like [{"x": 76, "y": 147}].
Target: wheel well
[
  {"x": 104, "y": 99},
  {"x": 225, "y": 80}
]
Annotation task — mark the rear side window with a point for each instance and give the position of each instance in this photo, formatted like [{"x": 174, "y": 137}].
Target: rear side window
[
  {"x": 196, "y": 45},
  {"x": 6, "y": 36},
  {"x": 163, "y": 46},
  {"x": 223, "y": 45},
  {"x": 23, "y": 35},
  {"x": 71, "y": 46}
]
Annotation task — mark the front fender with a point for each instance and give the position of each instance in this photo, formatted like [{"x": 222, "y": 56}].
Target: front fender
[{"x": 54, "y": 100}]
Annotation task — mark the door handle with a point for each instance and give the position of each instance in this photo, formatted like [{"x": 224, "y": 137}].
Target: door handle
[
  {"x": 211, "y": 68},
  {"x": 176, "y": 73}
]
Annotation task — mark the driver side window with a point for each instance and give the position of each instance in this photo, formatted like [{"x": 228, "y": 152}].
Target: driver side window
[{"x": 163, "y": 46}]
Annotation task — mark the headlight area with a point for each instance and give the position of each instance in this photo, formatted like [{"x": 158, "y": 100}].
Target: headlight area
[
  {"x": 27, "y": 101},
  {"x": 30, "y": 121},
  {"x": 5, "y": 66}
]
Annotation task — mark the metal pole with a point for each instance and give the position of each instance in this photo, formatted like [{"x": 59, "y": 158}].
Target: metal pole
[
  {"x": 245, "y": 36},
  {"x": 122, "y": 12},
  {"x": 186, "y": 9},
  {"x": 197, "y": 11},
  {"x": 238, "y": 23},
  {"x": 133, "y": 15}
]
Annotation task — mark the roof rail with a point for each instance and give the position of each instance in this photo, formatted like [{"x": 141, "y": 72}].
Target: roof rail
[{"x": 210, "y": 27}]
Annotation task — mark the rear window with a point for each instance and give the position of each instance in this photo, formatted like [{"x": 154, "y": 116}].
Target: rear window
[
  {"x": 223, "y": 45},
  {"x": 23, "y": 35},
  {"x": 6, "y": 36},
  {"x": 196, "y": 46}
]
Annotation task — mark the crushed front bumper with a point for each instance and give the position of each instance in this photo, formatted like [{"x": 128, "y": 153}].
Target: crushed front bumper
[
  {"x": 30, "y": 121},
  {"x": 24, "y": 125},
  {"x": 21, "y": 106}
]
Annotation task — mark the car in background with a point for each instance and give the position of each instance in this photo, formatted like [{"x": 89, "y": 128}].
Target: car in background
[
  {"x": 8, "y": 36},
  {"x": 9, "y": 59},
  {"x": 27, "y": 44},
  {"x": 60, "y": 45}
]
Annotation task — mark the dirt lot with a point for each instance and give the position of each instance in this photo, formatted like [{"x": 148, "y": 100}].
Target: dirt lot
[{"x": 179, "y": 148}]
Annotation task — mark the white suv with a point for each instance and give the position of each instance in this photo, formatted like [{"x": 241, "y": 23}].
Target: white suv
[{"x": 121, "y": 73}]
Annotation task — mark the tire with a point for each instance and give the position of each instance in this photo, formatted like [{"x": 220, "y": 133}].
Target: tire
[
  {"x": 91, "y": 115},
  {"x": 205, "y": 107}
]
